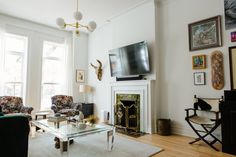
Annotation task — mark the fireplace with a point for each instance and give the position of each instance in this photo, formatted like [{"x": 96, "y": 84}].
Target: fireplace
[
  {"x": 142, "y": 115},
  {"x": 127, "y": 112}
]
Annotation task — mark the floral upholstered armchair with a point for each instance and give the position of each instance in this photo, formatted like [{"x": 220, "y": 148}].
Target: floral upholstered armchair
[
  {"x": 13, "y": 104},
  {"x": 63, "y": 104}
]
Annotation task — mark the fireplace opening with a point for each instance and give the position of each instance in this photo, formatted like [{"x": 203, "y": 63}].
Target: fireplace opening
[{"x": 127, "y": 113}]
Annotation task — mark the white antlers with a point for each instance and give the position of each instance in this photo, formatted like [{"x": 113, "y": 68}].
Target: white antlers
[{"x": 98, "y": 69}]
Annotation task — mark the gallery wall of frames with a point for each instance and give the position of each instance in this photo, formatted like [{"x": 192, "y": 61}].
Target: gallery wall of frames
[{"x": 205, "y": 34}]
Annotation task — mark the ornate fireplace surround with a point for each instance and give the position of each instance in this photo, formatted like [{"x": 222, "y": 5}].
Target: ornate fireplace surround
[{"x": 147, "y": 107}]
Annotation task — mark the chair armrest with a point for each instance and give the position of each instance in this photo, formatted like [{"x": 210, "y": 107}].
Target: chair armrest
[
  {"x": 54, "y": 108},
  {"x": 26, "y": 109},
  {"x": 77, "y": 106},
  {"x": 187, "y": 109},
  {"x": 188, "y": 112}
]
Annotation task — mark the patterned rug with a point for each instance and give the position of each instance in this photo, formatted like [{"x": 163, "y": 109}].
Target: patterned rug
[{"x": 42, "y": 145}]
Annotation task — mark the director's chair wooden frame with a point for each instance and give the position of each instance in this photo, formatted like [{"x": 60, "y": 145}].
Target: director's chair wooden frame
[{"x": 208, "y": 123}]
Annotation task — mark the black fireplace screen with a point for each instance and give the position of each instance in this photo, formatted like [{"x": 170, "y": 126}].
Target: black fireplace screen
[{"x": 127, "y": 112}]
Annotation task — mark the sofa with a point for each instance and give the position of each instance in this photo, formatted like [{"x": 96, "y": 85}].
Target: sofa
[
  {"x": 14, "y": 135},
  {"x": 14, "y": 105}
]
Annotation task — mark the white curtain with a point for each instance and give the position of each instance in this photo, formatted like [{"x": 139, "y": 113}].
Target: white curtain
[{"x": 2, "y": 32}]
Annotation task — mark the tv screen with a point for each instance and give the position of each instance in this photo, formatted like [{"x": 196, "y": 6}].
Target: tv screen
[{"x": 130, "y": 60}]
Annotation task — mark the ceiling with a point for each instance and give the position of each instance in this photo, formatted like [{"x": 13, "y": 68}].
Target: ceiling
[{"x": 46, "y": 11}]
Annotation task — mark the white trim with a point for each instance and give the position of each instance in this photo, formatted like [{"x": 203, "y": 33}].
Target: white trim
[
  {"x": 180, "y": 130},
  {"x": 22, "y": 54},
  {"x": 127, "y": 10}
]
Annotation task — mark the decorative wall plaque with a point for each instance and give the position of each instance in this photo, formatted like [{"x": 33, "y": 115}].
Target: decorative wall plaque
[{"x": 217, "y": 70}]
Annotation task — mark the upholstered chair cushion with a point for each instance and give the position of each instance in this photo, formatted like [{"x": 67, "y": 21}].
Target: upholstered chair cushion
[{"x": 13, "y": 104}]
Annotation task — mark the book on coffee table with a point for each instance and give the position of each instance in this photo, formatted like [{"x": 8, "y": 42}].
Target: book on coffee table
[{"x": 56, "y": 119}]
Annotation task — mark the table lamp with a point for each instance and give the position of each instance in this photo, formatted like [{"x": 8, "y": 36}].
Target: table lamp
[{"x": 85, "y": 89}]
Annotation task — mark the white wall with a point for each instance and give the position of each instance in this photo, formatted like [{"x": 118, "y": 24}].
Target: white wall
[
  {"x": 177, "y": 87},
  {"x": 165, "y": 27},
  {"x": 80, "y": 58},
  {"x": 135, "y": 25}
]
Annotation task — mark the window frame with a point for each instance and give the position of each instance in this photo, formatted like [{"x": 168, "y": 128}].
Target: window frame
[
  {"x": 23, "y": 54},
  {"x": 44, "y": 58}
]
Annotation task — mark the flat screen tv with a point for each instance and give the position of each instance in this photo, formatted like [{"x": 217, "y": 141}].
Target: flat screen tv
[{"x": 130, "y": 60}]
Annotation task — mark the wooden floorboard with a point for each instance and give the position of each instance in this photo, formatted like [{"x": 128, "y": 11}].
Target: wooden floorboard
[{"x": 177, "y": 146}]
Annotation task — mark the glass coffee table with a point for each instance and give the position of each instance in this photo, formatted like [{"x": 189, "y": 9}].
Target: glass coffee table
[{"x": 68, "y": 131}]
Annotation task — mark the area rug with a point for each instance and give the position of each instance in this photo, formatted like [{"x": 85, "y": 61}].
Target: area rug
[{"x": 42, "y": 145}]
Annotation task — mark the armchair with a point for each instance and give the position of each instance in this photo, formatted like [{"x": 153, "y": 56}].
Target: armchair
[
  {"x": 204, "y": 118},
  {"x": 13, "y": 104},
  {"x": 64, "y": 104}
]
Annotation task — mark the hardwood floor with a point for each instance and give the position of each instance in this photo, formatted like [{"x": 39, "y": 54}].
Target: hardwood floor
[{"x": 177, "y": 146}]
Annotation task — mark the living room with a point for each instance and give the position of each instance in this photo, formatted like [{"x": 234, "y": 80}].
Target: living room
[{"x": 170, "y": 84}]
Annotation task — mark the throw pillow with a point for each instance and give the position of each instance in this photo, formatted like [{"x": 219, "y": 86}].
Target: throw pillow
[{"x": 203, "y": 105}]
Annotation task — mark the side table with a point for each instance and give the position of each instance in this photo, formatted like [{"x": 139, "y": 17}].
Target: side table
[
  {"x": 87, "y": 109},
  {"x": 42, "y": 114}
]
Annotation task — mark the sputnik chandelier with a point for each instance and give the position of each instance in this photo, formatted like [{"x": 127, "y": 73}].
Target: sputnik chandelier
[{"x": 78, "y": 16}]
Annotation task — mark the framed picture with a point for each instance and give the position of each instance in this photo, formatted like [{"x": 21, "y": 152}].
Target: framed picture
[
  {"x": 199, "y": 78},
  {"x": 232, "y": 66},
  {"x": 230, "y": 10},
  {"x": 205, "y": 34},
  {"x": 80, "y": 75},
  {"x": 233, "y": 36},
  {"x": 199, "y": 61}
]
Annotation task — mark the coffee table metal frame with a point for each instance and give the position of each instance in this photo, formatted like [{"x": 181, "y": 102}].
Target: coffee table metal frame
[{"x": 68, "y": 131}]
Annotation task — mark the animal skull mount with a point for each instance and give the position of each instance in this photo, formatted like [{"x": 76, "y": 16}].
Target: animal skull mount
[{"x": 98, "y": 69}]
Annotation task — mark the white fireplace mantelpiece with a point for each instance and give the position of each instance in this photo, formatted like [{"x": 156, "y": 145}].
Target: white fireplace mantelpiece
[{"x": 148, "y": 112}]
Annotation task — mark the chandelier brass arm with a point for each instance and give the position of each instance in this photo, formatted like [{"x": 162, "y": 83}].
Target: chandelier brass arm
[
  {"x": 77, "y": 16},
  {"x": 75, "y": 25}
]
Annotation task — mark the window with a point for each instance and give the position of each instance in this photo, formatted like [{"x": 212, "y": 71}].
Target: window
[
  {"x": 13, "y": 52},
  {"x": 53, "y": 72}
]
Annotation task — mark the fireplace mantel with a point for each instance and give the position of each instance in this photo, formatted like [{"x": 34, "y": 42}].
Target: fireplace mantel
[{"x": 148, "y": 109}]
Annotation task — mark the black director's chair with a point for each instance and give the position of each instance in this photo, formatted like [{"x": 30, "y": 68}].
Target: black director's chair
[{"x": 205, "y": 114}]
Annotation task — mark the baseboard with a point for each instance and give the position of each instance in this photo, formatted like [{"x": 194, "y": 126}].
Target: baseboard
[{"x": 180, "y": 130}]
